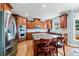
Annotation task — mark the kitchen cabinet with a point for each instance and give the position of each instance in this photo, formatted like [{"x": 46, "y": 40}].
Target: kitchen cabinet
[
  {"x": 5, "y": 7},
  {"x": 30, "y": 25},
  {"x": 42, "y": 25},
  {"x": 1, "y": 7},
  {"x": 35, "y": 46},
  {"x": 29, "y": 36},
  {"x": 21, "y": 20},
  {"x": 33, "y": 25},
  {"x": 37, "y": 21},
  {"x": 21, "y": 23},
  {"x": 63, "y": 21},
  {"x": 49, "y": 24}
]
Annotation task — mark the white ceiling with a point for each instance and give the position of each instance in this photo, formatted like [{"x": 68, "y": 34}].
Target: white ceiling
[{"x": 51, "y": 10}]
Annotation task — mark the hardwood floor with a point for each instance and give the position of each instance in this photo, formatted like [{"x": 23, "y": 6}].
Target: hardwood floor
[{"x": 25, "y": 48}]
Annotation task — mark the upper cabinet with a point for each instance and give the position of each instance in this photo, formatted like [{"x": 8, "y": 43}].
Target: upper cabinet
[
  {"x": 38, "y": 24},
  {"x": 5, "y": 7},
  {"x": 49, "y": 24},
  {"x": 63, "y": 21},
  {"x": 30, "y": 25},
  {"x": 21, "y": 20},
  {"x": 37, "y": 21},
  {"x": 42, "y": 25}
]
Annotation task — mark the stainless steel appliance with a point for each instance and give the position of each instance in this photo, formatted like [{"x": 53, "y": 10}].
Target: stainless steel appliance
[
  {"x": 22, "y": 31},
  {"x": 10, "y": 36},
  {"x": 8, "y": 41}
]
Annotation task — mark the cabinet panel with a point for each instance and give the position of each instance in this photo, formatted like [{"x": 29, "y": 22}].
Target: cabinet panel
[
  {"x": 49, "y": 24},
  {"x": 63, "y": 21},
  {"x": 21, "y": 20},
  {"x": 42, "y": 25},
  {"x": 5, "y": 7},
  {"x": 1, "y": 6},
  {"x": 29, "y": 36},
  {"x": 29, "y": 25},
  {"x": 33, "y": 25},
  {"x": 37, "y": 21}
]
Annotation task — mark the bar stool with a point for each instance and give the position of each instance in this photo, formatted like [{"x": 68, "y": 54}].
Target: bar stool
[
  {"x": 53, "y": 49},
  {"x": 60, "y": 43}
]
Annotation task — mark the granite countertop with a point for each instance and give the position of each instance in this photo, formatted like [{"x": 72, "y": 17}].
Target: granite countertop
[
  {"x": 37, "y": 36},
  {"x": 37, "y": 30}
]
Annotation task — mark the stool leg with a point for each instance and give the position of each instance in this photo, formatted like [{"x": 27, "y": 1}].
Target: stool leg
[
  {"x": 57, "y": 51},
  {"x": 64, "y": 50}
]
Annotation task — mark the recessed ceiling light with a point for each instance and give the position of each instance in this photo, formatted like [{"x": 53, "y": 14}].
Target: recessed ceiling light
[{"x": 44, "y": 5}]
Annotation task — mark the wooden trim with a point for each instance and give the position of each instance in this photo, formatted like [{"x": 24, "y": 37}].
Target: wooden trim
[
  {"x": 20, "y": 16},
  {"x": 63, "y": 15},
  {"x": 37, "y": 18},
  {"x": 48, "y": 20},
  {"x": 16, "y": 15}
]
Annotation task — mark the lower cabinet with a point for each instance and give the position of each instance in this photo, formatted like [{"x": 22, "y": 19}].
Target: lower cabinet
[
  {"x": 35, "y": 46},
  {"x": 29, "y": 36}
]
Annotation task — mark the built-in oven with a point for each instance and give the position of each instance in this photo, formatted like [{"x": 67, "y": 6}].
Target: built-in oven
[{"x": 22, "y": 31}]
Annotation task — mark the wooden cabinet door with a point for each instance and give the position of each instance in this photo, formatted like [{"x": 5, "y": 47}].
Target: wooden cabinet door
[
  {"x": 63, "y": 21},
  {"x": 32, "y": 25},
  {"x": 29, "y": 26},
  {"x": 42, "y": 25},
  {"x": 29, "y": 36},
  {"x": 5, "y": 7},
  {"x": 1, "y": 6},
  {"x": 49, "y": 24},
  {"x": 23, "y": 21}
]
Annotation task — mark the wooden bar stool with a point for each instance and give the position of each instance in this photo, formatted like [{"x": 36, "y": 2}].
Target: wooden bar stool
[
  {"x": 61, "y": 44},
  {"x": 53, "y": 49}
]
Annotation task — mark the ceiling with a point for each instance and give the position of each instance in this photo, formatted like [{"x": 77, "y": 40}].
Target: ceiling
[{"x": 42, "y": 10}]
